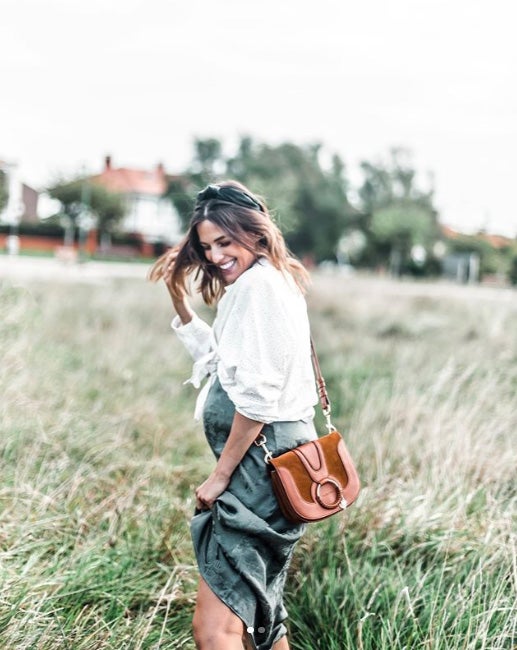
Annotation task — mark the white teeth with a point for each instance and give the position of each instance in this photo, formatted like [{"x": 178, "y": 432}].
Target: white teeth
[{"x": 226, "y": 266}]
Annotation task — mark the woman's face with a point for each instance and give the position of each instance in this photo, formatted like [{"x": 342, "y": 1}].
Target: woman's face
[{"x": 220, "y": 249}]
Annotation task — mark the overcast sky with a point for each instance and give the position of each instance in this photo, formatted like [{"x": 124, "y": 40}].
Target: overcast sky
[{"x": 138, "y": 79}]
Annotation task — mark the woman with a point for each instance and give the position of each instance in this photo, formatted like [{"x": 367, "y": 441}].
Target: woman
[{"x": 260, "y": 381}]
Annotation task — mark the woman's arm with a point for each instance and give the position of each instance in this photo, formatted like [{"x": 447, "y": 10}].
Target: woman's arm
[
  {"x": 181, "y": 305},
  {"x": 242, "y": 434},
  {"x": 194, "y": 333}
]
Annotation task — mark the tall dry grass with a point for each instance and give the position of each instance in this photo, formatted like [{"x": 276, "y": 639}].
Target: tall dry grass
[{"x": 100, "y": 455}]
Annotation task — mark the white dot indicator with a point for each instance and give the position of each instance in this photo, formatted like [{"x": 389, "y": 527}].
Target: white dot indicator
[{"x": 250, "y": 630}]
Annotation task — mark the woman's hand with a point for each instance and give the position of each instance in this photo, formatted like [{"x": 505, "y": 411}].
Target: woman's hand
[
  {"x": 210, "y": 489},
  {"x": 162, "y": 270},
  {"x": 242, "y": 434}
]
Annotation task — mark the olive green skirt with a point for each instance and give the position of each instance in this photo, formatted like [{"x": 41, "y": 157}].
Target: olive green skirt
[{"x": 244, "y": 544}]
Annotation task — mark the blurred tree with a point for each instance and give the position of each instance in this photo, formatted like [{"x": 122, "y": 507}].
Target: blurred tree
[
  {"x": 206, "y": 166},
  {"x": 208, "y": 159},
  {"x": 390, "y": 181},
  {"x": 4, "y": 189},
  {"x": 323, "y": 207},
  {"x": 513, "y": 270},
  {"x": 408, "y": 229},
  {"x": 309, "y": 202},
  {"x": 181, "y": 191},
  {"x": 399, "y": 217},
  {"x": 80, "y": 199},
  {"x": 376, "y": 190}
]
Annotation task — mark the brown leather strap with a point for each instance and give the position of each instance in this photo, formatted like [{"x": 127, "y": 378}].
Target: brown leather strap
[{"x": 320, "y": 382}]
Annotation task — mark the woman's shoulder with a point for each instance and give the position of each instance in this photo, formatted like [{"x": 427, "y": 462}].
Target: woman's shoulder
[
  {"x": 263, "y": 288},
  {"x": 263, "y": 275},
  {"x": 260, "y": 292}
]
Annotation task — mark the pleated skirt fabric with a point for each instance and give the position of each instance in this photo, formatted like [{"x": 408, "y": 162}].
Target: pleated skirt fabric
[{"x": 243, "y": 544}]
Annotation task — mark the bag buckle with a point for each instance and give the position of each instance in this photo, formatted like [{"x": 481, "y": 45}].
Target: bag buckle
[
  {"x": 261, "y": 441},
  {"x": 328, "y": 423}
]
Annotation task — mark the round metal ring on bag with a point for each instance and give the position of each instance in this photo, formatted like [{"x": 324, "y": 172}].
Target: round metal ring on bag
[{"x": 336, "y": 486}]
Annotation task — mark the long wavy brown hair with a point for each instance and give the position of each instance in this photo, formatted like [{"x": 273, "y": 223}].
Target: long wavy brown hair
[{"x": 250, "y": 227}]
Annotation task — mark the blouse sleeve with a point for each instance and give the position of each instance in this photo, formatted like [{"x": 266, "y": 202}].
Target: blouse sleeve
[
  {"x": 196, "y": 336},
  {"x": 255, "y": 352}
]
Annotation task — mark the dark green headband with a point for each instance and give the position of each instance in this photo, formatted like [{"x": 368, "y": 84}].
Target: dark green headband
[{"x": 229, "y": 195}]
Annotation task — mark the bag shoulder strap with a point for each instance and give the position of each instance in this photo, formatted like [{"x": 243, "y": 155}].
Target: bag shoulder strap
[
  {"x": 321, "y": 387},
  {"x": 320, "y": 382}
]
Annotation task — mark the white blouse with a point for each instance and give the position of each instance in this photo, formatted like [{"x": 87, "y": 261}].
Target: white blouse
[{"x": 258, "y": 347}]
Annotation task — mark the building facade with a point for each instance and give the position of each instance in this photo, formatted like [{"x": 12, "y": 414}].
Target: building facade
[
  {"x": 22, "y": 202},
  {"x": 149, "y": 213}
]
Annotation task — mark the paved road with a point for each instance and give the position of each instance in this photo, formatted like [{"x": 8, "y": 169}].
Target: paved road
[{"x": 24, "y": 268}]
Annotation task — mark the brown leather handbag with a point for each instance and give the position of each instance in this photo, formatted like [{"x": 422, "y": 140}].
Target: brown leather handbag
[{"x": 317, "y": 479}]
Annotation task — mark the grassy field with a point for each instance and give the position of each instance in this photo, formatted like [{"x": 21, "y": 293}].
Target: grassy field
[{"x": 100, "y": 455}]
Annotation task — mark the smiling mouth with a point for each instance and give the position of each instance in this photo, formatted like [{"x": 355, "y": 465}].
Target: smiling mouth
[{"x": 227, "y": 265}]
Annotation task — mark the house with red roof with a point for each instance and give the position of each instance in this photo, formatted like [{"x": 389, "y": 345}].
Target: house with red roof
[
  {"x": 149, "y": 213},
  {"x": 496, "y": 241}
]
